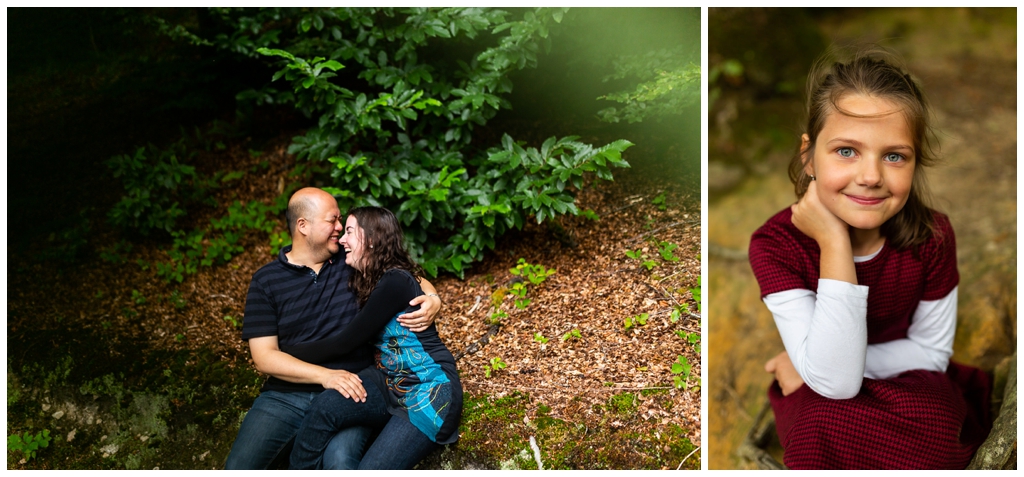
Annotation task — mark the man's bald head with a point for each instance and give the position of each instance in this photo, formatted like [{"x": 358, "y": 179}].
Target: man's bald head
[{"x": 304, "y": 203}]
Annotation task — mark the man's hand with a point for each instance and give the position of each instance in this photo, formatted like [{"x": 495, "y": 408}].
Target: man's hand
[
  {"x": 421, "y": 319},
  {"x": 430, "y": 306},
  {"x": 782, "y": 367},
  {"x": 269, "y": 359},
  {"x": 346, "y": 383}
]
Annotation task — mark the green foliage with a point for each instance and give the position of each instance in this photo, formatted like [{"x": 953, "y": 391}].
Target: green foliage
[
  {"x": 157, "y": 188},
  {"x": 659, "y": 201},
  {"x": 539, "y": 338},
  {"x": 138, "y": 298},
  {"x": 534, "y": 274},
  {"x": 117, "y": 253},
  {"x": 644, "y": 259},
  {"x": 176, "y": 300},
  {"x": 27, "y": 444},
  {"x": 693, "y": 339},
  {"x": 730, "y": 68},
  {"x": 218, "y": 242},
  {"x": 396, "y": 131},
  {"x": 572, "y": 334},
  {"x": 591, "y": 215},
  {"x": 279, "y": 240},
  {"x": 665, "y": 86},
  {"x": 665, "y": 249},
  {"x": 695, "y": 292},
  {"x": 234, "y": 323},
  {"x": 495, "y": 364},
  {"x": 634, "y": 321},
  {"x": 681, "y": 369}
]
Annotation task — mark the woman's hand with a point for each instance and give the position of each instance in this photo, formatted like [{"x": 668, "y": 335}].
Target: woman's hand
[
  {"x": 346, "y": 383},
  {"x": 782, "y": 367},
  {"x": 813, "y": 219}
]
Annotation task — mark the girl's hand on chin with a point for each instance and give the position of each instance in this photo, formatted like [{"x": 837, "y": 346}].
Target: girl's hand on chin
[{"x": 816, "y": 221}]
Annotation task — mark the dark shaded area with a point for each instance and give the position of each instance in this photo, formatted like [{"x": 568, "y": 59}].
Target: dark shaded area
[{"x": 86, "y": 84}]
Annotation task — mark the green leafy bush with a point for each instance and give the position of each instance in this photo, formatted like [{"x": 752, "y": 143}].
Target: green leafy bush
[
  {"x": 157, "y": 188},
  {"x": 665, "y": 86},
  {"x": 396, "y": 95}
]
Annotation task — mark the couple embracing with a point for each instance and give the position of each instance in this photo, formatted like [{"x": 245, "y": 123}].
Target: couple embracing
[{"x": 342, "y": 321}]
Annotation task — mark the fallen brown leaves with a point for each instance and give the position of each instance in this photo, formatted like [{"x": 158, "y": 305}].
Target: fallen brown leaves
[{"x": 595, "y": 289}]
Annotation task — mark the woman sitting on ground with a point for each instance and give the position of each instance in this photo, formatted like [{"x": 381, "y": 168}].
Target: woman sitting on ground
[{"x": 413, "y": 392}]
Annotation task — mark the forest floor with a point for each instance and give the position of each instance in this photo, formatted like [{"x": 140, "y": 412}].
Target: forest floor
[{"x": 124, "y": 370}]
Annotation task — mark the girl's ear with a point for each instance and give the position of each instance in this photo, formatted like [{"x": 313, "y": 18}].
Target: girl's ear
[{"x": 806, "y": 155}]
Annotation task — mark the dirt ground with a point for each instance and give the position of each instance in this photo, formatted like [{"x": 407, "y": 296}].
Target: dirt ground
[{"x": 966, "y": 61}]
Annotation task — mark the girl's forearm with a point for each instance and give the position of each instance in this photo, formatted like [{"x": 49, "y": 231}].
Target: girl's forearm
[{"x": 837, "y": 261}]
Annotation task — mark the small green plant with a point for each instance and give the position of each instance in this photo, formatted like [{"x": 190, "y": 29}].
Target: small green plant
[
  {"x": 116, "y": 253},
  {"x": 495, "y": 364},
  {"x": 573, "y": 334},
  {"x": 681, "y": 334},
  {"x": 694, "y": 340},
  {"x": 98, "y": 295},
  {"x": 659, "y": 201},
  {"x": 644, "y": 259},
  {"x": 519, "y": 290},
  {"x": 695, "y": 292},
  {"x": 539, "y": 338},
  {"x": 138, "y": 298},
  {"x": 535, "y": 274},
  {"x": 230, "y": 319},
  {"x": 681, "y": 369},
  {"x": 176, "y": 300},
  {"x": 496, "y": 317},
  {"x": 591, "y": 215},
  {"x": 634, "y": 321},
  {"x": 665, "y": 249},
  {"x": 28, "y": 443},
  {"x": 179, "y": 337}
]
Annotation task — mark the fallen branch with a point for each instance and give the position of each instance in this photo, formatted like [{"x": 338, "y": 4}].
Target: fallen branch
[
  {"x": 473, "y": 348},
  {"x": 687, "y": 457},
  {"x": 544, "y": 388},
  {"x": 636, "y": 199},
  {"x": 651, "y": 232},
  {"x": 536, "y": 453},
  {"x": 475, "y": 305}
]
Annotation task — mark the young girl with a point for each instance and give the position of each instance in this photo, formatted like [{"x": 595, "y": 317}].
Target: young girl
[
  {"x": 413, "y": 392},
  {"x": 861, "y": 277}
]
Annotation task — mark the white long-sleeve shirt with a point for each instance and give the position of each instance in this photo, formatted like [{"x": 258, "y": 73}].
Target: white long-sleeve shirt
[{"x": 825, "y": 334}]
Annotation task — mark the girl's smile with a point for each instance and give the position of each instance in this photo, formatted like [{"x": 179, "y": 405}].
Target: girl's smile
[{"x": 863, "y": 163}]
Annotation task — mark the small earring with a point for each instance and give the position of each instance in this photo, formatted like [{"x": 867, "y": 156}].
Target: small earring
[
  {"x": 814, "y": 178},
  {"x": 371, "y": 246}
]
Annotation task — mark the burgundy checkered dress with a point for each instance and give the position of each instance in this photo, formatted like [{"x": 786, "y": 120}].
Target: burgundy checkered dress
[{"x": 916, "y": 420}]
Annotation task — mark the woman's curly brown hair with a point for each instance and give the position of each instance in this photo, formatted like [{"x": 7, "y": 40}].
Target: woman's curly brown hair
[{"x": 381, "y": 230}]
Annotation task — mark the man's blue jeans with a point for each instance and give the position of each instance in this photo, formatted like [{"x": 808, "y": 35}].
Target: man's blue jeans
[{"x": 269, "y": 429}]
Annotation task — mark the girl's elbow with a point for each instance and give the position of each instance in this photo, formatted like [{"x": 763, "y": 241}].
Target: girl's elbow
[
  {"x": 845, "y": 387},
  {"x": 847, "y": 391}
]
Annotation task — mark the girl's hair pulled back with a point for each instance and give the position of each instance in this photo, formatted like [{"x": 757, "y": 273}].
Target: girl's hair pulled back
[
  {"x": 381, "y": 230},
  {"x": 881, "y": 74}
]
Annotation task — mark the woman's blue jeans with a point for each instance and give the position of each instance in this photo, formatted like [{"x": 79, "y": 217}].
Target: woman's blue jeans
[
  {"x": 270, "y": 426},
  {"x": 400, "y": 445}
]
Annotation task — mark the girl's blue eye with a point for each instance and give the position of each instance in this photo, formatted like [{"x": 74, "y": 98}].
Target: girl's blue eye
[
  {"x": 845, "y": 152},
  {"x": 893, "y": 157}
]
